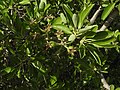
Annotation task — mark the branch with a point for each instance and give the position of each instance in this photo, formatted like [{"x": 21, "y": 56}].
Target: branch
[
  {"x": 104, "y": 82},
  {"x": 92, "y": 20},
  {"x": 111, "y": 17}
]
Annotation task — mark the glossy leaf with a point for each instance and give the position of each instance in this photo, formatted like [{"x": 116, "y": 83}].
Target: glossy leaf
[
  {"x": 118, "y": 88},
  {"x": 53, "y": 44},
  {"x": 104, "y": 46},
  {"x": 89, "y": 34},
  {"x": 64, "y": 28},
  {"x": 10, "y": 4},
  {"x": 45, "y": 1},
  {"x": 67, "y": 9},
  {"x": 24, "y": 2},
  {"x": 46, "y": 7},
  {"x": 12, "y": 51},
  {"x": 28, "y": 51},
  {"x": 53, "y": 79},
  {"x": 117, "y": 33},
  {"x": 96, "y": 57},
  {"x": 83, "y": 14},
  {"x": 104, "y": 42},
  {"x": 95, "y": 28},
  {"x": 68, "y": 14},
  {"x": 87, "y": 28},
  {"x": 18, "y": 74},
  {"x": 71, "y": 38},
  {"x": 37, "y": 65},
  {"x": 8, "y": 69},
  {"x": 82, "y": 51},
  {"x": 42, "y": 48},
  {"x": 112, "y": 87},
  {"x": 1, "y": 48},
  {"x": 42, "y": 6},
  {"x": 57, "y": 20},
  {"x": 63, "y": 18},
  {"x": 107, "y": 11},
  {"x": 119, "y": 8},
  {"x": 103, "y": 35},
  {"x": 75, "y": 20}
]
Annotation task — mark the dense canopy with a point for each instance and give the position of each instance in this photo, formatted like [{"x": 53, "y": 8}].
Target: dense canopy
[{"x": 59, "y": 44}]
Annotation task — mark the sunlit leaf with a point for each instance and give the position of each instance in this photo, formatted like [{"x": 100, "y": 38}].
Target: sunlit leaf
[
  {"x": 107, "y": 11},
  {"x": 10, "y": 4},
  {"x": 12, "y": 51},
  {"x": 67, "y": 9},
  {"x": 1, "y": 48},
  {"x": 24, "y": 2},
  {"x": 104, "y": 42},
  {"x": 45, "y": 1},
  {"x": 95, "y": 28},
  {"x": 46, "y": 7},
  {"x": 75, "y": 20},
  {"x": 83, "y": 14},
  {"x": 63, "y": 18},
  {"x": 87, "y": 28},
  {"x": 18, "y": 73},
  {"x": 117, "y": 33},
  {"x": 57, "y": 20},
  {"x": 71, "y": 38},
  {"x": 68, "y": 14},
  {"x": 53, "y": 44},
  {"x": 53, "y": 80},
  {"x": 112, "y": 87},
  {"x": 96, "y": 57},
  {"x": 64, "y": 28},
  {"x": 119, "y": 8},
  {"x": 28, "y": 51},
  {"x": 26, "y": 78},
  {"x": 118, "y": 88},
  {"x": 42, "y": 6},
  {"x": 8, "y": 69},
  {"x": 104, "y": 46},
  {"x": 38, "y": 66},
  {"x": 82, "y": 51}
]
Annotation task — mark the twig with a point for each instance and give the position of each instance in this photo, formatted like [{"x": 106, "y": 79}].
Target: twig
[
  {"x": 104, "y": 82},
  {"x": 111, "y": 17},
  {"x": 92, "y": 20}
]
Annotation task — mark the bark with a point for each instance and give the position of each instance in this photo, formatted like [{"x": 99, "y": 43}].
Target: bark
[
  {"x": 104, "y": 82},
  {"x": 92, "y": 20},
  {"x": 111, "y": 17}
]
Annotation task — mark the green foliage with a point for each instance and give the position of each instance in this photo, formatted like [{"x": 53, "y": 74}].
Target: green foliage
[
  {"x": 64, "y": 28},
  {"x": 83, "y": 14},
  {"x": 51, "y": 45},
  {"x": 107, "y": 11}
]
